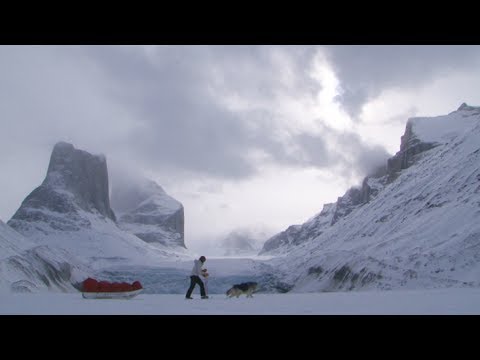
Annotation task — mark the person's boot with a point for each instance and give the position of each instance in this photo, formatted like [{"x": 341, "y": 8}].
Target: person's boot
[{"x": 205, "y": 297}]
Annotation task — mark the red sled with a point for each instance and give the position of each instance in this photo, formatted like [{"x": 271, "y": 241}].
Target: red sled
[{"x": 93, "y": 289}]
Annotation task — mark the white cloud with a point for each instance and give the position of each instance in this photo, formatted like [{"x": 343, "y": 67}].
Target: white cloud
[
  {"x": 276, "y": 198},
  {"x": 384, "y": 118},
  {"x": 241, "y": 135}
]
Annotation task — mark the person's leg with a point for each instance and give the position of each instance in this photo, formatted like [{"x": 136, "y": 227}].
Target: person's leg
[
  {"x": 192, "y": 285},
  {"x": 202, "y": 287}
]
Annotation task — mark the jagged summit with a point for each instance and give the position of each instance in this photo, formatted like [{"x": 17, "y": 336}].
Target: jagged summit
[
  {"x": 465, "y": 107},
  {"x": 83, "y": 174},
  {"x": 63, "y": 152},
  {"x": 76, "y": 181}
]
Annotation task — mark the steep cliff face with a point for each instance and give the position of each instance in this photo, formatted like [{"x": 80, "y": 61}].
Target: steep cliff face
[
  {"x": 146, "y": 210},
  {"x": 76, "y": 183},
  {"x": 414, "y": 224},
  {"x": 84, "y": 175},
  {"x": 410, "y": 146}
]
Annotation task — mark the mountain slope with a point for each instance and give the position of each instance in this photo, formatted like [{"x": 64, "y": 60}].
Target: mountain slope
[
  {"x": 25, "y": 267},
  {"x": 418, "y": 225},
  {"x": 71, "y": 210},
  {"x": 146, "y": 210},
  {"x": 11, "y": 242}
]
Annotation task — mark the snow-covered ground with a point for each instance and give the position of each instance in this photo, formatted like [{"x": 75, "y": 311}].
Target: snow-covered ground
[{"x": 442, "y": 301}]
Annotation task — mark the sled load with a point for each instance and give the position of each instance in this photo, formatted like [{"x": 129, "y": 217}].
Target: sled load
[{"x": 93, "y": 289}]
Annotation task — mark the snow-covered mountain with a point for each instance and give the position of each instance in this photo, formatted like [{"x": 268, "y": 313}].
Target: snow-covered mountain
[
  {"x": 76, "y": 183},
  {"x": 71, "y": 210},
  {"x": 25, "y": 267},
  {"x": 415, "y": 223},
  {"x": 143, "y": 208}
]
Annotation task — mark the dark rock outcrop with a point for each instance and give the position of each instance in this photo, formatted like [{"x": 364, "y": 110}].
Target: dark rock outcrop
[
  {"x": 76, "y": 180},
  {"x": 410, "y": 146}
]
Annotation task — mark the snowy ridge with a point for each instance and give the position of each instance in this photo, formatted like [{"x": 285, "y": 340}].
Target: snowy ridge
[
  {"x": 42, "y": 268},
  {"x": 296, "y": 234},
  {"x": 25, "y": 267},
  {"x": 165, "y": 204},
  {"x": 104, "y": 244},
  {"x": 442, "y": 129},
  {"x": 11, "y": 242},
  {"x": 146, "y": 210},
  {"x": 418, "y": 229}
]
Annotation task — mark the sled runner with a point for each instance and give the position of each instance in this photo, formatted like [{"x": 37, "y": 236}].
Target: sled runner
[{"x": 111, "y": 295}]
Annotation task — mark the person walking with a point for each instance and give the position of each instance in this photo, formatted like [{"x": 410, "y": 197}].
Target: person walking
[{"x": 195, "y": 278}]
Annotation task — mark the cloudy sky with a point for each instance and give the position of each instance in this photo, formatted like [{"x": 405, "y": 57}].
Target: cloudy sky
[{"x": 246, "y": 137}]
